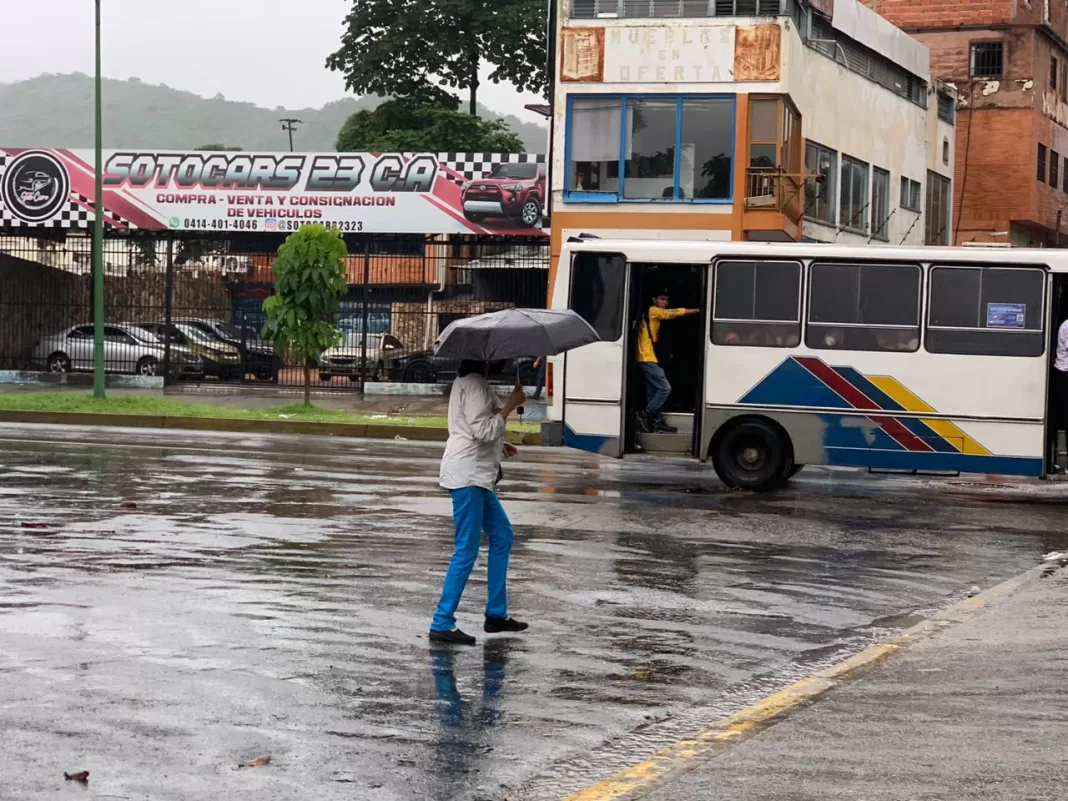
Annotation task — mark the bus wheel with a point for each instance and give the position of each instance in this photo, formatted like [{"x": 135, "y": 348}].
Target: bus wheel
[
  {"x": 752, "y": 455},
  {"x": 793, "y": 471}
]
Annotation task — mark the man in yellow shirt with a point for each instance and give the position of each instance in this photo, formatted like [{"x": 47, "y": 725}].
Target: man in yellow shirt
[{"x": 657, "y": 386}]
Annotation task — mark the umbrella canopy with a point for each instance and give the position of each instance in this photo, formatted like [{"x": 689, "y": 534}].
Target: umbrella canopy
[{"x": 514, "y": 334}]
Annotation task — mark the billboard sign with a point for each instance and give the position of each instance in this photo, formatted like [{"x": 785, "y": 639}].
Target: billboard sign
[{"x": 219, "y": 193}]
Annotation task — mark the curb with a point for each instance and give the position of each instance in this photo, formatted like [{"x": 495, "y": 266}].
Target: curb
[
  {"x": 724, "y": 734},
  {"x": 226, "y": 424}
]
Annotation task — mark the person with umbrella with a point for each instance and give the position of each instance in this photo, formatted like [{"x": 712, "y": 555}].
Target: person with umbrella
[
  {"x": 470, "y": 470},
  {"x": 471, "y": 465}
]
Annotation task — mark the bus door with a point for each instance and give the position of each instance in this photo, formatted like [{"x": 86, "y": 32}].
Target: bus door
[{"x": 594, "y": 396}]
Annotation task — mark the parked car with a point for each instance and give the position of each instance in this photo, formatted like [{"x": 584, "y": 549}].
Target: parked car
[
  {"x": 511, "y": 190},
  {"x": 259, "y": 356},
  {"x": 426, "y": 368},
  {"x": 128, "y": 348},
  {"x": 345, "y": 359},
  {"x": 221, "y": 360}
]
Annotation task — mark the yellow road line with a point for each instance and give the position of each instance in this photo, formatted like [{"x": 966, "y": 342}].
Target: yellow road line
[{"x": 731, "y": 730}]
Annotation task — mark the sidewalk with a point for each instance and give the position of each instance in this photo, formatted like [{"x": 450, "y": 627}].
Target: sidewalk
[{"x": 978, "y": 711}]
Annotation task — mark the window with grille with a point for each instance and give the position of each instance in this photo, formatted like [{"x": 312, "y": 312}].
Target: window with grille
[
  {"x": 910, "y": 194},
  {"x": 946, "y": 108},
  {"x": 937, "y": 231},
  {"x": 854, "y": 200},
  {"x": 880, "y": 204},
  {"x": 821, "y": 174},
  {"x": 1042, "y": 163},
  {"x": 987, "y": 59},
  {"x": 1053, "y": 73},
  {"x": 644, "y": 9},
  {"x": 1054, "y": 166}
]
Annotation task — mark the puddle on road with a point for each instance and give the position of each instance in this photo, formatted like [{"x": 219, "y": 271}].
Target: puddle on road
[{"x": 276, "y": 601}]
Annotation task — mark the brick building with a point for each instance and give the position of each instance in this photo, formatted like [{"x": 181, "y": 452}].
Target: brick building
[{"x": 1009, "y": 62}]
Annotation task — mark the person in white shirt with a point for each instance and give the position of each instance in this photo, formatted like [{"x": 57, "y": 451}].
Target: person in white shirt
[
  {"x": 1058, "y": 408},
  {"x": 470, "y": 470}
]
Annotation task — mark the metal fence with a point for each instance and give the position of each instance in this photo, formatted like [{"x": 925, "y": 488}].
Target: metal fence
[{"x": 191, "y": 310}]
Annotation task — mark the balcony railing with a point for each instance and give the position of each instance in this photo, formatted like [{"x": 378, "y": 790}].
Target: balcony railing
[
  {"x": 771, "y": 189},
  {"x": 646, "y": 9}
]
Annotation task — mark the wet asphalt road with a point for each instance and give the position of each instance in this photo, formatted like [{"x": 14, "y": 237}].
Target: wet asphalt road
[{"x": 270, "y": 596}]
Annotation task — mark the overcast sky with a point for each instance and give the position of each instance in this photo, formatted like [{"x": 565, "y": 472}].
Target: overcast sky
[{"x": 268, "y": 52}]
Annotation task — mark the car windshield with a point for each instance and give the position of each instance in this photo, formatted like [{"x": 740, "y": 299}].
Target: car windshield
[
  {"x": 196, "y": 335},
  {"x": 522, "y": 171},
  {"x": 354, "y": 340},
  {"x": 231, "y": 331},
  {"x": 142, "y": 335}
]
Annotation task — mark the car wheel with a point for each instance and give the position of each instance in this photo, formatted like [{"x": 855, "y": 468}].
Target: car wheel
[
  {"x": 752, "y": 455},
  {"x": 530, "y": 213},
  {"x": 474, "y": 217},
  {"x": 148, "y": 366},
  {"x": 419, "y": 373},
  {"x": 58, "y": 363}
]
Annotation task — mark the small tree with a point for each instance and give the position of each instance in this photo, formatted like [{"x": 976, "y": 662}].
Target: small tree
[{"x": 309, "y": 280}]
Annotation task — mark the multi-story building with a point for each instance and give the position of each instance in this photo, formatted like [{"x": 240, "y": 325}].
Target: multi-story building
[
  {"x": 746, "y": 120},
  {"x": 1009, "y": 62}
]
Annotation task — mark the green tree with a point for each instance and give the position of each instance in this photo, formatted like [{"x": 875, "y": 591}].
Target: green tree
[
  {"x": 409, "y": 48},
  {"x": 398, "y": 126},
  {"x": 309, "y": 282}
]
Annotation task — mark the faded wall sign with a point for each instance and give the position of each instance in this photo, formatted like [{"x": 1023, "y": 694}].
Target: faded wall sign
[
  {"x": 582, "y": 54},
  {"x": 757, "y": 53},
  {"x": 669, "y": 54}
]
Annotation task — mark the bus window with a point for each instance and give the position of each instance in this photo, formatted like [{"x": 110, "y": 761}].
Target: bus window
[
  {"x": 986, "y": 311},
  {"x": 864, "y": 307},
  {"x": 757, "y": 303},
  {"x": 597, "y": 282}
]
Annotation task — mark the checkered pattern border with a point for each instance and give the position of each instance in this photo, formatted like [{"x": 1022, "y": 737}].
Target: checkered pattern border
[
  {"x": 473, "y": 166},
  {"x": 76, "y": 215}
]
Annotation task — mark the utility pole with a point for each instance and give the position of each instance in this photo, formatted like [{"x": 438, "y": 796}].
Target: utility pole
[
  {"x": 289, "y": 124},
  {"x": 98, "y": 238}
]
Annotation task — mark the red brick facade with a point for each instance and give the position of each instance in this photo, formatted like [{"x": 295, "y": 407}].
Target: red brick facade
[{"x": 1001, "y": 122}]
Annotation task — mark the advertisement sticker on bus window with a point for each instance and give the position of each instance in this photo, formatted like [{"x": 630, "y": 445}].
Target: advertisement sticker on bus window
[{"x": 1006, "y": 315}]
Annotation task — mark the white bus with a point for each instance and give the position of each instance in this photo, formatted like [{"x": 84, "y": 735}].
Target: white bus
[{"x": 922, "y": 360}]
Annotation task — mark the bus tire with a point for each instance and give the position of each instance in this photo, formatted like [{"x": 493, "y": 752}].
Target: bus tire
[
  {"x": 752, "y": 454},
  {"x": 793, "y": 471}
]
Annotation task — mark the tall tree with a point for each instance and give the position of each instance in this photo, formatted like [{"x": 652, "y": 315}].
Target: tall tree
[
  {"x": 401, "y": 126},
  {"x": 410, "y": 48},
  {"x": 309, "y": 282}
]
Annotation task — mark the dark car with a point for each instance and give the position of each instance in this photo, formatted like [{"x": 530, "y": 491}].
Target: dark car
[
  {"x": 516, "y": 191},
  {"x": 426, "y": 368},
  {"x": 259, "y": 356},
  {"x": 221, "y": 359}
]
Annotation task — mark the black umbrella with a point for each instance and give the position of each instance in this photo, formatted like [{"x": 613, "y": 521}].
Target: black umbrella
[{"x": 514, "y": 334}]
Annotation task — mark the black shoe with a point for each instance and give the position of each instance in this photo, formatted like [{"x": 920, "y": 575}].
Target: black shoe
[
  {"x": 644, "y": 424},
  {"x": 496, "y": 625},
  {"x": 454, "y": 637},
  {"x": 661, "y": 426}
]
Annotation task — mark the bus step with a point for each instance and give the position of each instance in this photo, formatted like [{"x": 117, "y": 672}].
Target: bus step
[
  {"x": 666, "y": 443},
  {"x": 914, "y": 473}
]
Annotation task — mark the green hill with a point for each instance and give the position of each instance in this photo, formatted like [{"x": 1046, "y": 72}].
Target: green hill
[{"x": 57, "y": 111}]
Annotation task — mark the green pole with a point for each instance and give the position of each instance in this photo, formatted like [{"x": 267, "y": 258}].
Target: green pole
[{"x": 98, "y": 239}]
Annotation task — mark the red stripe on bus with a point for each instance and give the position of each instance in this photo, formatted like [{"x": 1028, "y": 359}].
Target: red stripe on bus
[{"x": 853, "y": 396}]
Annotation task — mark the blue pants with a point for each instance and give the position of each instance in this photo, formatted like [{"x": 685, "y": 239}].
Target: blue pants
[
  {"x": 539, "y": 383},
  {"x": 475, "y": 510},
  {"x": 657, "y": 388}
]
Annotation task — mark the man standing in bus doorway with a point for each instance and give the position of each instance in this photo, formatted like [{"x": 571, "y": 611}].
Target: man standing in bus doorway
[{"x": 657, "y": 387}]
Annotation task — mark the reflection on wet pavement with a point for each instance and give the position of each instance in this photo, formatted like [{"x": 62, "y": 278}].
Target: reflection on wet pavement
[{"x": 199, "y": 601}]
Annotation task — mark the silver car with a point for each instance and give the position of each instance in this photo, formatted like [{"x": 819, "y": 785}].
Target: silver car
[
  {"x": 344, "y": 359},
  {"x": 127, "y": 349}
]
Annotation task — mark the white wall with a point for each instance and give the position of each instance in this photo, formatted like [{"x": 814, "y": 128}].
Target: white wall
[{"x": 854, "y": 116}]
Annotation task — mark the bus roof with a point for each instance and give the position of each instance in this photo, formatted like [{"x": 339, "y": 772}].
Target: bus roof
[{"x": 703, "y": 251}]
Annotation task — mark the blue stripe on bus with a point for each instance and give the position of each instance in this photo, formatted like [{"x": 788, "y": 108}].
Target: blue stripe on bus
[
  {"x": 880, "y": 398},
  {"x": 593, "y": 443},
  {"x": 935, "y": 462},
  {"x": 856, "y": 433},
  {"x": 790, "y": 384},
  {"x": 928, "y": 434}
]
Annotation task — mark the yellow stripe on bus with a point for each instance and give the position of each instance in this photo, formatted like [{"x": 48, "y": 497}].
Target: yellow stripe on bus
[{"x": 944, "y": 428}]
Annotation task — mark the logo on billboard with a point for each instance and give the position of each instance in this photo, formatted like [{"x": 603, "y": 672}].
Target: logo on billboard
[{"x": 35, "y": 186}]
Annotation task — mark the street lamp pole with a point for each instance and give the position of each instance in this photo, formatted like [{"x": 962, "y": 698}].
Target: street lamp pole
[
  {"x": 290, "y": 124},
  {"x": 98, "y": 238}
]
